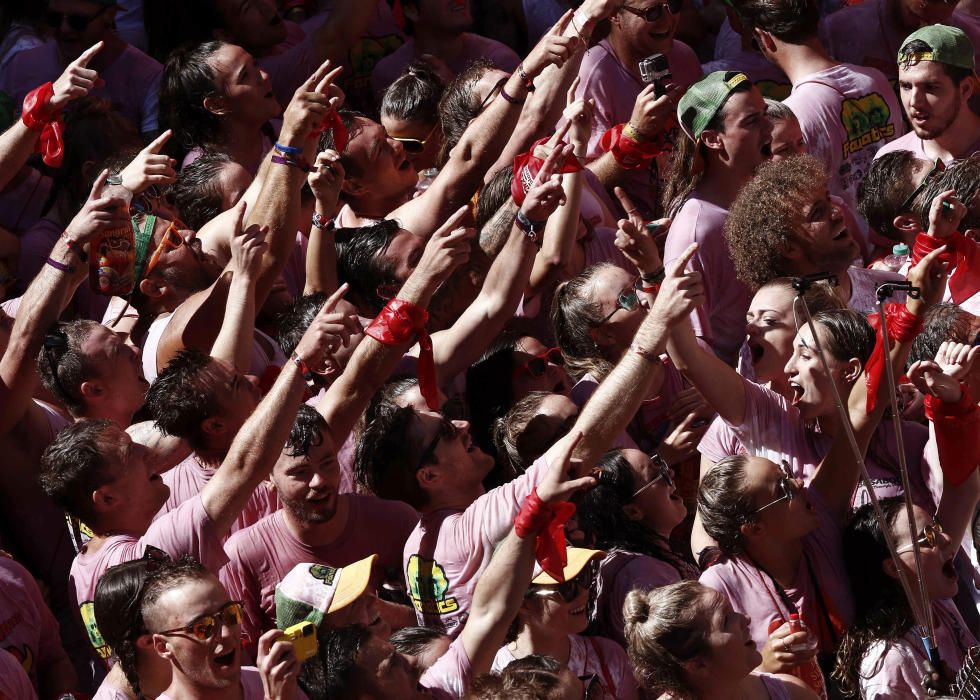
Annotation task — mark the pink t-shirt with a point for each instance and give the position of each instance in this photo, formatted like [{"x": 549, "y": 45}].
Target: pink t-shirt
[
  {"x": 28, "y": 629},
  {"x": 14, "y": 682},
  {"x": 600, "y": 247},
  {"x": 588, "y": 656},
  {"x": 894, "y": 669},
  {"x": 107, "y": 691},
  {"x": 251, "y": 684},
  {"x": 912, "y": 142},
  {"x": 614, "y": 88},
  {"x": 821, "y": 576},
  {"x": 450, "y": 675},
  {"x": 132, "y": 81},
  {"x": 260, "y": 556},
  {"x": 720, "y": 320},
  {"x": 475, "y": 47},
  {"x": 867, "y": 34},
  {"x": 35, "y": 249},
  {"x": 864, "y": 288},
  {"x": 846, "y": 113},
  {"x": 650, "y": 425},
  {"x": 619, "y": 573},
  {"x": 766, "y": 76},
  {"x": 449, "y": 549},
  {"x": 186, "y": 530},
  {"x": 188, "y": 479}
]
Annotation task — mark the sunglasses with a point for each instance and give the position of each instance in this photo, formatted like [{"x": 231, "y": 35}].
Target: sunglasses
[
  {"x": 786, "y": 486},
  {"x": 172, "y": 240},
  {"x": 494, "y": 91},
  {"x": 538, "y": 365},
  {"x": 569, "y": 590},
  {"x": 447, "y": 431},
  {"x": 416, "y": 145},
  {"x": 663, "y": 472},
  {"x": 154, "y": 558},
  {"x": 938, "y": 168},
  {"x": 929, "y": 539},
  {"x": 204, "y": 627},
  {"x": 627, "y": 301},
  {"x": 77, "y": 23},
  {"x": 652, "y": 14}
]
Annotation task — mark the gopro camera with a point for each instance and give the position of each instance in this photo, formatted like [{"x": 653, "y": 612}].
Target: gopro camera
[
  {"x": 303, "y": 637},
  {"x": 655, "y": 69}
]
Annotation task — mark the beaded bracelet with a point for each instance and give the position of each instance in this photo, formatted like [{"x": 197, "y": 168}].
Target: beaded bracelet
[{"x": 528, "y": 83}]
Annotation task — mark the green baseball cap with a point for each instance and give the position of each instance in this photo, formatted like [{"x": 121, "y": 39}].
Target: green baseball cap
[
  {"x": 702, "y": 100},
  {"x": 948, "y": 45}
]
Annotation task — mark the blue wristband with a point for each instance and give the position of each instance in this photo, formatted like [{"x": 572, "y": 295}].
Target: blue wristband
[{"x": 289, "y": 150}]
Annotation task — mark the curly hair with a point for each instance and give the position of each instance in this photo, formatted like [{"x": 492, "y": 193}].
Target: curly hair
[
  {"x": 945, "y": 321},
  {"x": 962, "y": 176},
  {"x": 664, "y": 628},
  {"x": 765, "y": 214}
]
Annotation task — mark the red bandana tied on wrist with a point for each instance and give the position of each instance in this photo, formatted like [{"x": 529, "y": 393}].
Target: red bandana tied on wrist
[
  {"x": 399, "y": 322},
  {"x": 903, "y": 326},
  {"x": 37, "y": 115},
  {"x": 957, "y": 425},
  {"x": 630, "y": 153},
  {"x": 963, "y": 257},
  {"x": 526, "y": 168},
  {"x": 548, "y": 521}
]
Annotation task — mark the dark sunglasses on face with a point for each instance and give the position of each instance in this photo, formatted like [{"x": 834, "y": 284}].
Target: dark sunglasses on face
[
  {"x": 538, "y": 365},
  {"x": 569, "y": 590},
  {"x": 652, "y": 14},
  {"x": 205, "y": 627},
  {"x": 447, "y": 431},
  {"x": 663, "y": 472},
  {"x": 786, "y": 486},
  {"x": 416, "y": 145},
  {"x": 77, "y": 23},
  {"x": 938, "y": 167},
  {"x": 627, "y": 301}
]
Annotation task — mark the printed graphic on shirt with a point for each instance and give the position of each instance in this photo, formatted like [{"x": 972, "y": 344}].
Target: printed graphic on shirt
[
  {"x": 87, "y": 609},
  {"x": 427, "y": 586},
  {"x": 866, "y": 120},
  {"x": 365, "y": 55}
]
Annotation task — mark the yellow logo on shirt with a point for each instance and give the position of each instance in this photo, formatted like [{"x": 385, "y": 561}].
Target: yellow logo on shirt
[
  {"x": 427, "y": 586},
  {"x": 87, "y": 609},
  {"x": 866, "y": 121}
]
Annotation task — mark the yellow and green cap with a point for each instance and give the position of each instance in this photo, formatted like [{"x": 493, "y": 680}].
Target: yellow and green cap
[
  {"x": 701, "y": 102},
  {"x": 948, "y": 45}
]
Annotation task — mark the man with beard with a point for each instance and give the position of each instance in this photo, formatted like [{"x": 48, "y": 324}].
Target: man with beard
[{"x": 936, "y": 80}]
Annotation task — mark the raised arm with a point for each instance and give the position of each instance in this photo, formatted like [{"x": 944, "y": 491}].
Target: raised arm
[
  {"x": 618, "y": 397},
  {"x": 257, "y": 445},
  {"x": 503, "y": 584},
  {"x": 461, "y": 345},
  {"x": 374, "y": 361},
  {"x": 234, "y": 343},
  {"x": 321, "y": 254},
  {"x": 17, "y": 143},
  {"x": 47, "y": 296}
]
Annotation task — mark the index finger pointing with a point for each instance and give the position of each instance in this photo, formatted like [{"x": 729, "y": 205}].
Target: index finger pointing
[
  {"x": 572, "y": 90},
  {"x": 453, "y": 221},
  {"x": 327, "y": 80},
  {"x": 677, "y": 267},
  {"x": 331, "y": 303},
  {"x": 317, "y": 76},
  {"x": 88, "y": 54},
  {"x": 99, "y": 184},
  {"x": 156, "y": 144}
]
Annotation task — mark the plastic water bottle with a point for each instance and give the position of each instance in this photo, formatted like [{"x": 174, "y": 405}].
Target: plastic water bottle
[
  {"x": 428, "y": 176},
  {"x": 899, "y": 257},
  {"x": 809, "y": 672},
  {"x": 112, "y": 257}
]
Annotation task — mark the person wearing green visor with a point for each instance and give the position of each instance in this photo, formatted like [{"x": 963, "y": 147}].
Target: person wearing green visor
[
  {"x": 728, "y": 136},
  {"x": 936, "y": 79}
]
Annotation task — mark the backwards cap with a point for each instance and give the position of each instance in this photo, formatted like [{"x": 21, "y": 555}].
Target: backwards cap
[
  {"x": 948, "y": 45},
  {"x": 310, "y": 592},
  {"x": 701, "y": 102}
]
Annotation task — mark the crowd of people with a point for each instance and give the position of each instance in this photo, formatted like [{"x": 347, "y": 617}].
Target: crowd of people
[{"x": 592, "y": 349}]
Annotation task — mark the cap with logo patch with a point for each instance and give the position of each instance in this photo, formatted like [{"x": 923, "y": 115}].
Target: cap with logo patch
[
  {"x": 310, "y": 592},
  {"x": 701, "y": 102}
]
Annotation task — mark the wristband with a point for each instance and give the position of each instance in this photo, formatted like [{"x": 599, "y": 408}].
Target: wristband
[
  {"x": 653, "y": 288},
  {"x": 630, "y": 132},
  {"x": 903, "y": 327},
  {"x": 288, "y": 150},
  {"x": 509, "y": 98},
  {"x": 74, "y": 247},
  {"x": 528, "y": 83},
  {"x": 630, "y": 153},
  {"x": 37, "y": 115},
  {"x": 304, "y": 369},
  {"x": 526, "y": 168},
  {"x": 59, "y": 265},
  {"x": 530, "y": 228},
  {"x": 298, "y": 164},
  {"x": 398, "y": 323},
  {"x": 325, "y": 225},
  {"x": 657, "y": 277}
]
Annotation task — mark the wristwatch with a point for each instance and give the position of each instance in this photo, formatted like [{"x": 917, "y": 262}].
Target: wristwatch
[
  {"x": 323, "y": 223},
  {"x": 532, "y": 229},
  {"x": 114, "y": 179}
]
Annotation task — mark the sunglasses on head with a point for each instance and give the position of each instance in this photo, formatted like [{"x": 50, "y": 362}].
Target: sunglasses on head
[
  {"x": 786, "y": 486},
  {"x": 416, "y": 145},
  {"x": 77, "y": 23},
  {"x": 627, "y": 301},
  {"x": 538, "y": 365},
  {"x": 55, "y": 345},
  {"x": 652, "y": 14},
  {"x": 204, "y": 627},
  {"x": 447, "y": 431},
  {"x": 154, "y": 558},
  {"x": 929, "y": 539},
  {"x": 663, "y": 472},
  {"x": 938, "y": 167}
]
